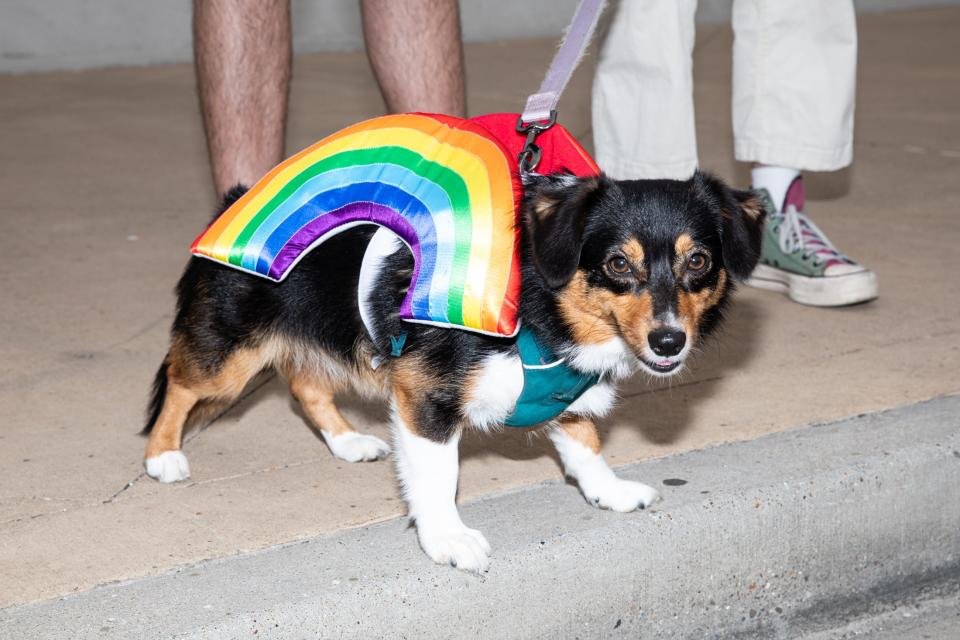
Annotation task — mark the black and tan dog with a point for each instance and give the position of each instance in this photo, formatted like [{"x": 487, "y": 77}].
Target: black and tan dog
[{"x": 616, "y": 276}]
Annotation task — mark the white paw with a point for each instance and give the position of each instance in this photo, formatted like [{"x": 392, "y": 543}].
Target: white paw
[
  {"x": 357, "y": 447},
  {"x": 169, "y": 466},
  {"x": 620, "y": 495},
  {"x": 461, "y": 547}
]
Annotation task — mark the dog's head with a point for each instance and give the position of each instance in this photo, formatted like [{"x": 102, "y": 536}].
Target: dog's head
[{"x": 642, "y": 263}]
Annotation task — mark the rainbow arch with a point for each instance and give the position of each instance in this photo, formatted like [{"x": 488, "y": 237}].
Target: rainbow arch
[{"x": 444, "y": 185}]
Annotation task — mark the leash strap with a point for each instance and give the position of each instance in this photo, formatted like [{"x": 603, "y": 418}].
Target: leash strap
[{"x": 541, "y": 104}]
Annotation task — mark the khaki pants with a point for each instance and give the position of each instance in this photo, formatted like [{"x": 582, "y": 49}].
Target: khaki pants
[{"x": 794, "y": 80}]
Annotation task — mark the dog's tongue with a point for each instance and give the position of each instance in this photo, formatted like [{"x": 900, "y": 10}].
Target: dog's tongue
[{"x": 664, "y": 363}]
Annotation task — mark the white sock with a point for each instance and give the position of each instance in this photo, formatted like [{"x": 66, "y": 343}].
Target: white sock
[{"x": 776, "y": 180}]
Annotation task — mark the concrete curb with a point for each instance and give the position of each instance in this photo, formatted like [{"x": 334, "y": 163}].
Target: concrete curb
[{"x": 772, "y": 537}]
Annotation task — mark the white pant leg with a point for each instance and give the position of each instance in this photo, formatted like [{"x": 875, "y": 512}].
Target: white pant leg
[
  {"x": 794, "y": 82},
  {"x": 643, "y": 124}
]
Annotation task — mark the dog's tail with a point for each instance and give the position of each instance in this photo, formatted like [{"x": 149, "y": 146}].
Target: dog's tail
[{"x": 156, "y": 397}]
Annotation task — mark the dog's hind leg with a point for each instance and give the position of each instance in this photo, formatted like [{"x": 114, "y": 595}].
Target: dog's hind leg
[
  {"x": 184, "y": 386},
  {"x": 578, "y": 444},
  {"x": 163, "y": 459},
  {"x": 315, "y": 393}
]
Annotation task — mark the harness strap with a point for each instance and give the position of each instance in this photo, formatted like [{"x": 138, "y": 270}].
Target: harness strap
[
  {"x": 550, "y": 386},
  {"x": 575, "y": 41},
  {"x": 531, "y": 354}
]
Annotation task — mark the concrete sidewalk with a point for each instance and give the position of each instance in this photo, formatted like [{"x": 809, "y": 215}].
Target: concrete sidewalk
[
  {"x": 105, "y": 183},
  {"x": 777, "y": 537}
]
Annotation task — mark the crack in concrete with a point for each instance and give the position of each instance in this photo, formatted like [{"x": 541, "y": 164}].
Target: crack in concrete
[
  {"x": 257, "y": 385},
  {"x": 80, "y": 504},
  {"x": 123, "y": 488},
  {"x": 255, "y": 472},
  {"x": 75, "y": 502},
  {"x": 43, "y": 498},
  {"x": 20, "y": 382},
  {"x": 142, "y": 331},
  {"x": 180, "y": 485}
]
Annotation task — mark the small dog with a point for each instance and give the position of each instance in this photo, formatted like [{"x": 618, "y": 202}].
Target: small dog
[{"x": 615, "y": 276}]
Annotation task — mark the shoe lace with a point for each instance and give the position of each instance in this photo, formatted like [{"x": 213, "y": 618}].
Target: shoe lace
[{"x": 798, "y": 232}]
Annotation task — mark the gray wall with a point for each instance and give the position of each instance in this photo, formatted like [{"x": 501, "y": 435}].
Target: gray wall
[{"x": 44, "y": 35}]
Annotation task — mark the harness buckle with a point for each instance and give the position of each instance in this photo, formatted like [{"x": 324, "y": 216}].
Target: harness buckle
[{"x": 529, "y": 157}]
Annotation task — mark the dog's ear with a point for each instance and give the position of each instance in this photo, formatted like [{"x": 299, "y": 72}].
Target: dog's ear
[
  {"x": 555, "y": 211},
  {"x": 742, "y": 216},
  {"x": 743, "y": 232}
]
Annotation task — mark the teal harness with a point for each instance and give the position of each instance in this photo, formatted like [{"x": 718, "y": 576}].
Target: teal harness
[{"x": 549, "y": 385}]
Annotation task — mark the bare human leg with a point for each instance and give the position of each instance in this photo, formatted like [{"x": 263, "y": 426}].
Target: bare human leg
[
  {"x": 416, "y": 53},
  {"x": 242, "y": 52}
]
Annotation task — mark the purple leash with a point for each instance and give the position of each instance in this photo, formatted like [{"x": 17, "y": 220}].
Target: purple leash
[{"x": 540, "y": 112}]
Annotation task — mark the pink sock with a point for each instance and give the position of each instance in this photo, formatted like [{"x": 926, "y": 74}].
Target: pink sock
[{"x": 777, "y": 181}]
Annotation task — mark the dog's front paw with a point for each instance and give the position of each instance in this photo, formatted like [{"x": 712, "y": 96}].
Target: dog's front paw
[
  {"x": 620, "y": 495},
  {"x": 357, "y": 447},
  {"x": 462, "y": 547},
  {"x": 169, "y": 466}
]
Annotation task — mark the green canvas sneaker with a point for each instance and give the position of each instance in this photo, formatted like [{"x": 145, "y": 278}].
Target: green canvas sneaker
[{"x": 797, "y": 259}]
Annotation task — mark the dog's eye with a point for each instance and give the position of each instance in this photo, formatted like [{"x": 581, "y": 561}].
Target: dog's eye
[
  {"x": 697, "y": 263},
  {"x": 619, "y": 265}
]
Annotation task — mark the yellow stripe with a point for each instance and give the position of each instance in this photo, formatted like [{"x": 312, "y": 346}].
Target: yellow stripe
[{"x": 491, "y": 253}]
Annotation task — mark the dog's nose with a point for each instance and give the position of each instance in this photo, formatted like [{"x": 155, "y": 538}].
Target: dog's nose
[{"x": 666, "y": 341}]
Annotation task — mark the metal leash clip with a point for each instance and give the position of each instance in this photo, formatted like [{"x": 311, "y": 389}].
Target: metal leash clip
[{"x": 529, "y": 158}]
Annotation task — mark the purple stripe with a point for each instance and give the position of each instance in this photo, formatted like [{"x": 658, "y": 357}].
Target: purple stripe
[{"x": 357, "y": 211}]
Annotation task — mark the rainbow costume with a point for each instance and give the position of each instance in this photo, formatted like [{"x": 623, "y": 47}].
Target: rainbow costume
[
  {"x": 444, "y": 185},
  {"x": 447, "y": 187}
]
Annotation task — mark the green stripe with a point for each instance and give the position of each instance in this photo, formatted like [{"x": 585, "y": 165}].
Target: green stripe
[{"x": 447, "y": 179}]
